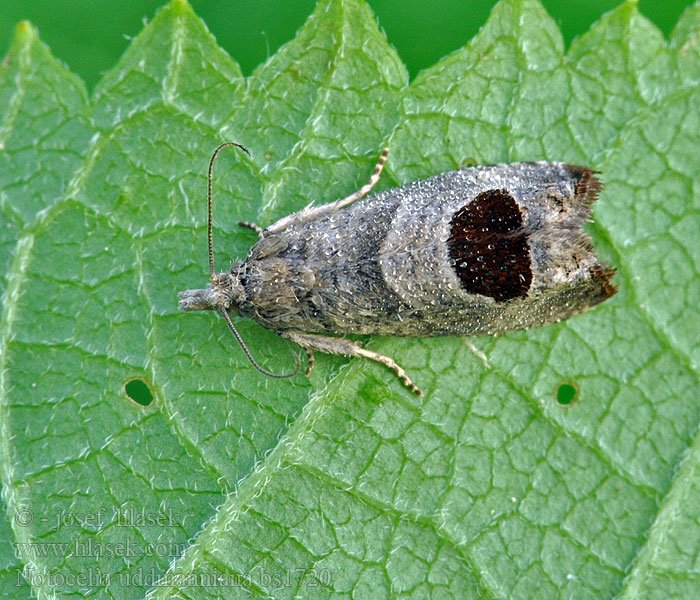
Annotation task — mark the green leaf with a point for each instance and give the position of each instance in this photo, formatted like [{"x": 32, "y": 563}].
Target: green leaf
[{"x": 345, "y": 485}]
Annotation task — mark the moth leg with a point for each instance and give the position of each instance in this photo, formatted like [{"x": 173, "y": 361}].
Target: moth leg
[
  {"x": 332, "y": 345},
  {"x": 314, "y": 212},
  {"x": 469, "y": 162},
  {"x": 311, "y": 361},
  {"x": 256, "y": 228}
]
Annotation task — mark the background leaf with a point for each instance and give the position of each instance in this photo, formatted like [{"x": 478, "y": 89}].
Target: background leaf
[
  {"x": 252, "y": 31},
  {"x": 345, "y": 485}
]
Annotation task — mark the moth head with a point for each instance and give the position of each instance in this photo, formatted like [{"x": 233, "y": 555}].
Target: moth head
[{"x": 225, "y": 291}]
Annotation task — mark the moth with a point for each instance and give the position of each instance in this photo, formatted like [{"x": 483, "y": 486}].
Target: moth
[{"x": 476, "y": 251}]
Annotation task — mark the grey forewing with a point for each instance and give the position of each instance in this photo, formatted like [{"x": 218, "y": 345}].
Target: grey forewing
[{"x": 382, "y": 265}]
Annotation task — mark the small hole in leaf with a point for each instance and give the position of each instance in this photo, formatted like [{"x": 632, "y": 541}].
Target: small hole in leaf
[
  {"x": 567, "y": 394},
  {"x": 139, "y": 391}
]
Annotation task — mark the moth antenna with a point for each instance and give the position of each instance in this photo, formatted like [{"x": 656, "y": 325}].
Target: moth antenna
[
  {"x": 212, "y": 271},
  {"x": 237, "y": 335},
  {"x": 210, "y": 233}
]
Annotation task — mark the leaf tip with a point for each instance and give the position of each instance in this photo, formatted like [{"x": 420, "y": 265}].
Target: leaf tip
[
  {"x": 627, "y": 10},
  {"x": 631, "y": 6},
  {"x": 25, "y": 32},
  {"x": 180, "y": 7}
]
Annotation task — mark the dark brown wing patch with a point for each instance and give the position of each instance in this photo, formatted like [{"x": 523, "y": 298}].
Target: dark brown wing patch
[{"x": 489, "y": 248}]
